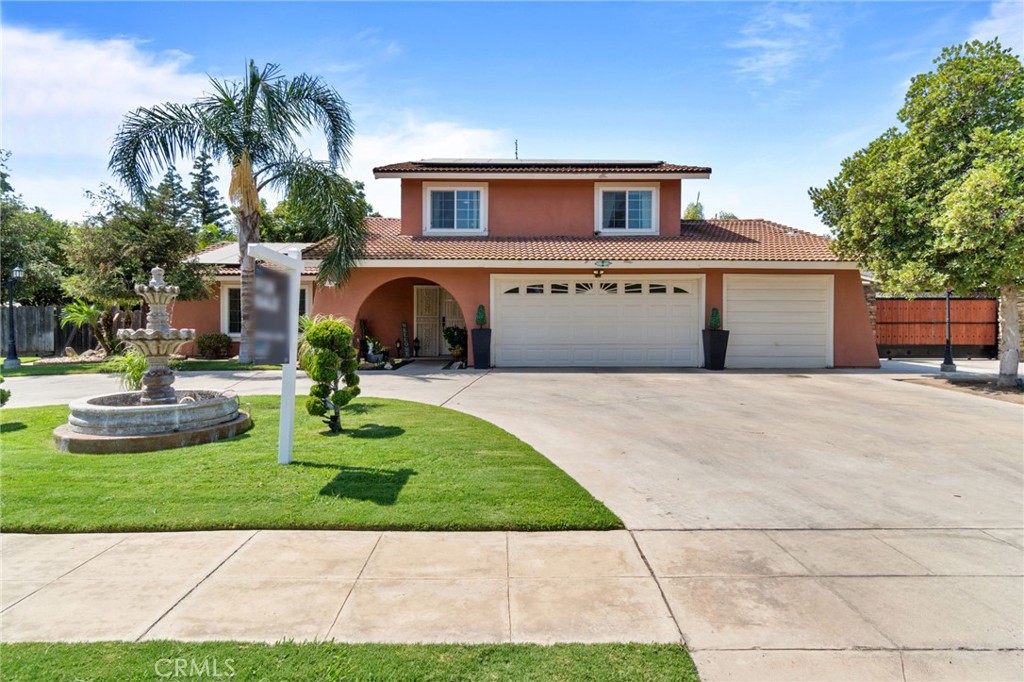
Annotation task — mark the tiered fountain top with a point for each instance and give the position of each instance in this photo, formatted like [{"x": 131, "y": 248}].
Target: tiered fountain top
[{"x": 158, "y": 295}]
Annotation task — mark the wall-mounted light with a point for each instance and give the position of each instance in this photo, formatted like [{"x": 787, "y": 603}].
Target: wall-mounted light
[{"x": 598, "y": 272}]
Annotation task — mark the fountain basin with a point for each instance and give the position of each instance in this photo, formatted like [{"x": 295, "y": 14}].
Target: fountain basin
[{"x": 120, "y": 422}]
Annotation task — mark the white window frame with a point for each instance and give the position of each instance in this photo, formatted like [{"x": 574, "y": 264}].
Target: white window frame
[
  {"x": 430, "y": 187},
  {"x": 225, "y": 312},
  {"x": 601, "y": 187}
]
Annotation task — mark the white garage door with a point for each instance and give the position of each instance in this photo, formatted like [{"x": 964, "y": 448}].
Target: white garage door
[
  {"x": 614, "y": 321},
  {"x": 778, "y": 320}
]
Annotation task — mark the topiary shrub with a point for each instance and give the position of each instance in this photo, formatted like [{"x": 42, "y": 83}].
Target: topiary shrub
[
  {"x": 331, "y": 363},
  {"x": 716, "y": 319},
  {"x": 213, "y": 346}
]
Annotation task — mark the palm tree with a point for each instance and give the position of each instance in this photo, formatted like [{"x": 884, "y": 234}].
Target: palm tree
[{"x": 253, "y": 124}]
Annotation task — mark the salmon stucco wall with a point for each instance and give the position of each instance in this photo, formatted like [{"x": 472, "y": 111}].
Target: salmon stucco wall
[
  {"x": 530, "y": 208},
  {"x": 203, "y": 316},
  {"x": 370, "y": 290}
]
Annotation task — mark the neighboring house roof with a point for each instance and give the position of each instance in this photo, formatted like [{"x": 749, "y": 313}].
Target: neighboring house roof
[
  {"x": 226, "y": 255},
  {"x": 546, "y": 167},
  {"x": 698, "y": 240}
]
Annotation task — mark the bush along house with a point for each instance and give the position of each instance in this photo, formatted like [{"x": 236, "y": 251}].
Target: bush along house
[{"x": 578, "y": 264}]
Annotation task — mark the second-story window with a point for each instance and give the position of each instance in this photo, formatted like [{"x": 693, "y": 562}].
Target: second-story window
[
  {"x": 626, "y": 210},
  {"x": 450, "y": 209}
]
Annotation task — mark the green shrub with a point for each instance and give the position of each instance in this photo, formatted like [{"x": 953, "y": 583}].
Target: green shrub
[
  {"x": 481, "y": 315},
  {"x": 131, "y": 365},
  {"x": 455, "y": 336},
  {"x": 716, "y": 319},
  {"x": 213, "y": 346},
  {"x": 330, "y": 361},
  {"x": 5, "y": 395}
]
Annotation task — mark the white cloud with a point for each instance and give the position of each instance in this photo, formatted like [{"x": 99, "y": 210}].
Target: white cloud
[
  {"x": 69, "y": 94},
  {"x": 1004, "y": 21},
  {"x": 64, "y": 97},
  {"x": 777, "y": 40},
  {"x": 409, "y": 137}
]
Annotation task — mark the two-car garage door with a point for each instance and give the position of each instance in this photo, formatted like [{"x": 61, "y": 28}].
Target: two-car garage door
[
  {"x": 775, "y": 321},
  {"x": 583, "y": 321}
]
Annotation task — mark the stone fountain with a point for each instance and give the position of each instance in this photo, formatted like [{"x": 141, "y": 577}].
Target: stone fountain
[{"x": 158, "y": 417}]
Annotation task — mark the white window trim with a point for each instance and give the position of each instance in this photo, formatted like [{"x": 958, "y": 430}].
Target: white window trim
[
  {"x": 429, "y": 187},
  {"x": 224, "y": 313},
  {"x": 601, "y": 187}
]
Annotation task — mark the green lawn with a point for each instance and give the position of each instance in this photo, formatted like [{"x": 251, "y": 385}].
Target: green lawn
[
  {"x": 399, "y": 465},
  {"x": 108, "y": 367},
  {"x": 134, "y": 662}
]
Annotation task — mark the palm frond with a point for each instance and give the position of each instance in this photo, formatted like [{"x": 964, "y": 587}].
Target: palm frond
[
  {"x": 151, "y": 139},
  {"x": 324, "y": 197},
  {"x": 315, "y": 102}
]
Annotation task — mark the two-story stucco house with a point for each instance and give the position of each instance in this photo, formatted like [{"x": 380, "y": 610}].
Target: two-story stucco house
[{"x": 581, "y": 263}]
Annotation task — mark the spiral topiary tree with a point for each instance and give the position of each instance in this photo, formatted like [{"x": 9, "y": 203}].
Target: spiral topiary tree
[{"x": 331, "y": 363}]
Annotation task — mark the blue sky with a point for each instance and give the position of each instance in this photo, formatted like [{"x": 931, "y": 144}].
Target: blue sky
[{"x": 772, "y": 96}]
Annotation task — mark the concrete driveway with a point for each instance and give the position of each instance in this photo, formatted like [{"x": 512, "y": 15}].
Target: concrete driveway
[
  {"x": 813, "y": 526},
  {"x": 804, "y": 526}
]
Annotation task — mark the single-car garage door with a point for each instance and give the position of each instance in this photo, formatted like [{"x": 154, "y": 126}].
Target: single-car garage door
[
  {"x": 778, "y": 320},
  {"x": 584, "y": 321}
]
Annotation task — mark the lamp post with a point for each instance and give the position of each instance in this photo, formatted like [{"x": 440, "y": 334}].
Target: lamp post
[
  {"x": 947, "y": 362},
  {"x": 12, "y": 361}
]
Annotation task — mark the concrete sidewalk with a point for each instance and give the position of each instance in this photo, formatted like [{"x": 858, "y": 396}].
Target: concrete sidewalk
[{"x": 869, "y": 605}]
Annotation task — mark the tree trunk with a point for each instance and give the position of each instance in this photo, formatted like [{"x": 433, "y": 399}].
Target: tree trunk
[
  {"x": 1009, "y": 335},
  {"x": 248, "y": 232}
]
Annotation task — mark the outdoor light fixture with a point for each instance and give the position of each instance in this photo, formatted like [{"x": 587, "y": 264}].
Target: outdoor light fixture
[
  {"x": 947, "y": 362},
  {"x": 12, "y": 361},
  {"x": 598, "y": 272}
]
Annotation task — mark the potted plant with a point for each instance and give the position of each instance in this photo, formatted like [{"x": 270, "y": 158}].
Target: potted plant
[
  {"x": 716, "y": 342},
  {"x": 481, "y": 340},
  {"x": 456, "y": 337},
  {"x": 374, "y": 350}
]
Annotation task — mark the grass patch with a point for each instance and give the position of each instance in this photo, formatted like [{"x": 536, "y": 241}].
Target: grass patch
[
  {"x": 107, "y": 367},
  {"x": 398, "y": 465},
  {"x": 134, "y": 662}
]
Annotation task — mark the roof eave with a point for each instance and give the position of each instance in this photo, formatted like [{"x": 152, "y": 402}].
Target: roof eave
[{"x": 539, "y": 175}]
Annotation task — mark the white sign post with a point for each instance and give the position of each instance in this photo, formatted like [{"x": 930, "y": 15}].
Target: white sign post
[{"x": 293, "y": 264}]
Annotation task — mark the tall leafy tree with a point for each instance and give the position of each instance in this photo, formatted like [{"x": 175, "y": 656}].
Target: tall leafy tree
[
  {"x": 116, "y": 247},
  {"x": 209, "y": 206},
  {"x": 33, "y": 239},
  {"x": 253, "y": 124},
  {"x": 170, "y": 200},
  {"x": 938, "y": 202},
  {"x": 291, "y": 221}
]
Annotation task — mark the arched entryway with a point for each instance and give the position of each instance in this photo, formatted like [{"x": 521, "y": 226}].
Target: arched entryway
[{"x": 423, "y": 306}]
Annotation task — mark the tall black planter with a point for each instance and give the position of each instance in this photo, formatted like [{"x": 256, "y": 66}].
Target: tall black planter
[
  {"x": 481, "y": 348},
  {"x": 716, "y": 341}
]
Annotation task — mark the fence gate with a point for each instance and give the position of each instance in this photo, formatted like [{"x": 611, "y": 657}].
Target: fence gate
[{"x": 917, "y": 328}]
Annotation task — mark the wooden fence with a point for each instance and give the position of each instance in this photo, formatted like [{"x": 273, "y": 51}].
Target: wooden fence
[
  {"x": 37, "y": 331},
  {"x": 917, "y": 328}
]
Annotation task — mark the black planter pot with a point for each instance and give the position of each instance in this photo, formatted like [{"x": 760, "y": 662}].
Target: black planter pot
[
  {"x": 481, "y": 348},
  {"x": 716, "y": 341}
]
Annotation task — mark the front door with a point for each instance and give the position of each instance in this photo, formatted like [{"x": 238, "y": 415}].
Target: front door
[{"x": 435, "y": 309}]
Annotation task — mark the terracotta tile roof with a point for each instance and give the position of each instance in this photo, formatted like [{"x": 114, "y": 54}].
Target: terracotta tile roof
[
  {"x": 739, "y": 240},
  {"x": 427, "y": 166}
]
